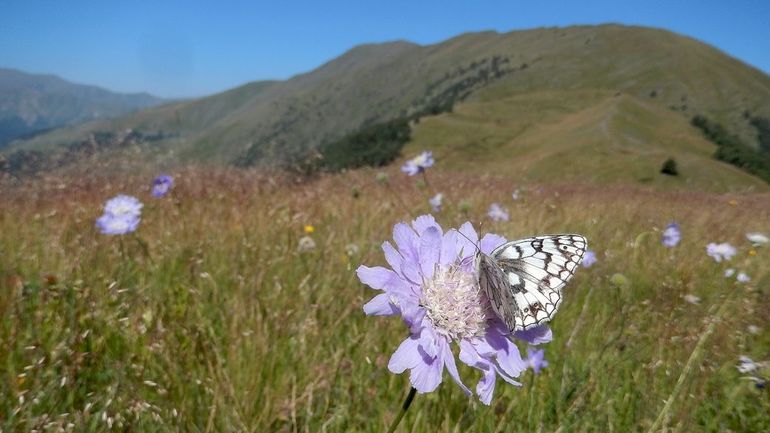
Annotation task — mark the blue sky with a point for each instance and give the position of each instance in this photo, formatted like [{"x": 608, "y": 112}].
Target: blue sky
[{"x": 192, "y": 48}]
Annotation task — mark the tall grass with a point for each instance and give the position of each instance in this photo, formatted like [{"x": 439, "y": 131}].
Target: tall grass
[{"x": 223, "y": 325}]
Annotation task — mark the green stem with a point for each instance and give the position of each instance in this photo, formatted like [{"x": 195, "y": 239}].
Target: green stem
[{"x": 404, "y": 408}]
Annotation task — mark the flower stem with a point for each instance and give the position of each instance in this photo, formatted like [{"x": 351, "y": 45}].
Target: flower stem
[{"x": 404, "y": 408}]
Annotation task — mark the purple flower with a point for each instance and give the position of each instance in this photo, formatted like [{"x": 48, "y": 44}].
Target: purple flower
[
  {"x": 114, "y": 225},
  {"x": 719, "y": 252},
  {"x": 743, "y": 277},
  {"x": 671, "y": 235},
  {"x": 123, "y": 206},
  {"x": 431, "y": 283},
  {"x": 589, "y": 259},
  {"x": 497, "y": 213},
  {"x": 536, "y": 359},
  {"x": 435, "y": 202},
  {"x": 121, "y": 215},
  {"x": 162, "y": 185},
  {"x": 418, "y": 164}
]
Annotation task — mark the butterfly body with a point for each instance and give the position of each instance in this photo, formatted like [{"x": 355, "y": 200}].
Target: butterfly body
[{"x": 523, "y": 279}]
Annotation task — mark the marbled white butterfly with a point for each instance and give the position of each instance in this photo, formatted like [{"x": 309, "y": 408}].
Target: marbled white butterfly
[{"x": 523, "y": 279}]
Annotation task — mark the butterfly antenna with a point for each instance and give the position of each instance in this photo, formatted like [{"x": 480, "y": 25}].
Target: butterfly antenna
[{"x": 475, "y": 244}]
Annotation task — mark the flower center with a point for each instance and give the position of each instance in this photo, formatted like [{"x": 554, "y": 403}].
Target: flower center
[{"x": 453, "y": 303}]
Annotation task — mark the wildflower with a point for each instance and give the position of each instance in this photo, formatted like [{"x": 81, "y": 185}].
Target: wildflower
[
  {"x": 309, "y": 229},
  {"x": 747, "y": 365},
  {"x": 695, "y": 300},
  {"x": 121, "y": 215},
  {"x": 589, "y": 259},
  {"x": 123, "y": 206},
  {"x": 536, "y": 359},
  {"x": 729, "y": 272},
  {"x": 719, "y": 252},
  {"x": 516, "y": 194},
  {"x": 418, "y": 164},
  {"x": 306, "y": 244},
  {"x": 435, "y": 202},
  {"x": 352, "y": 249},
  {"x": 432, "y": 285},
  {"x": 757, "y": 239},
  {"x": 162, "y": 185},
  {"x": 114, "y": 225},
  {"x": 671, "y": 235},
  {"x": 497, "y": 213},
  {"x": 753, "y": 329},
  {"x": 742, "y": 277}
]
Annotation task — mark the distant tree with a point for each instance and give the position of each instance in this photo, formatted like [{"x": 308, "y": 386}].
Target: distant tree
[
  {"x": 669, "y": 168},
  {"x": 762, "y": 124}
]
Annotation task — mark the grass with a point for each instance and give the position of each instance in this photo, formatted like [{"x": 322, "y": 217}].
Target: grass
[{"x": 222, "y": 325}]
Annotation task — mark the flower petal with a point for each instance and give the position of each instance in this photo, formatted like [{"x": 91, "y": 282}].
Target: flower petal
[
  {"x": 449, "y": 361},
  {"x": 426, "y": 375},
  {"x": 380, "y": 305},
  {"x": 449, "y": 248},
  {"x": 392, "y": 256},
  {"x": 486, "y": 386},
  {"x": 406, "y": 240},
  {"x": 537, "y": 335},
  {"x": 405, "y": 357},
  {"x": 468, "y": 239},
  {"x": 424, "y": 222},
  {"x": 430, "y": 250},
  {"x": 490, "y": 241},
  {"x": 376, "y": 278}
]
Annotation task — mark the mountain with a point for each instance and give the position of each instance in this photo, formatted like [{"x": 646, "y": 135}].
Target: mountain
[
  {"x": 598, "y": 103},
  {"x": 31, "y": 103}
]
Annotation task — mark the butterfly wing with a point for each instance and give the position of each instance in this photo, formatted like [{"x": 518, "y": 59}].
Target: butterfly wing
[
  {"x": 494, "y": 283},
  {"x": 535, "y": 269}
]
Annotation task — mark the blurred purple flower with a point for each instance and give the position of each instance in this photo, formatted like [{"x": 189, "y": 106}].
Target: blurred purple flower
[
  {"x": 671, "y": 235},
  {"x": 497, "y": 213},
  {"x": 432, "y": 285},
  {"x": 719, "y": 252},
  {"x": 536, "y": 359},
  {"x": 589, "y": 259},
  {"x": 162, "y": 185},
  {"x": 743, "y": 277},
  {"x": 418, "y": 164},
  {"x": 114, "y": 225},
  {"x": 123, "y": 206},
  {"x": 435, "y": 202}
]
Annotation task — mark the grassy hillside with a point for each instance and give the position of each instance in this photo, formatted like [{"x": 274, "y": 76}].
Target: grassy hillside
[
  {"x": 31, "y": 103},
  {"x": 220, "y": 323},
  {"x": 579, "y": 136},
  {"x": 660, "y": 76}
]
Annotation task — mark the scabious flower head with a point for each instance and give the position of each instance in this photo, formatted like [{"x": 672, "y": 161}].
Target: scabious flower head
[
  {"x": 117, "y": 225},
  {"x": 305, "y": 244},
  {"x": 121, "y": 215},
  {"x": 435, "y": 202},
  {"x": 729, "y": 272},
  {"x": 162, "y": 185},
  {"x": 516, "y": 194},
  {"x": 743, "y": 277},
  {"x": 497, "y": 213},
  {"x": 589, "y": 259},
  {"x": 671, "y": 235},
  {"x": 536, "y": 359},
  {"x": 432, "y": 284},
  {"x": 418, "y": 164},
  {"x": 719, "y": 252},
  {"x": 757, "y": 239},
  {"x": 123, "y": 206},
  {"x": 747, "y": 365}
]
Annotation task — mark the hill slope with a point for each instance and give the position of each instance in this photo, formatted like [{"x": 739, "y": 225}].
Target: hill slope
[
  {"x": 544, "y": 83},
  {"x": 31, "y": 103}
]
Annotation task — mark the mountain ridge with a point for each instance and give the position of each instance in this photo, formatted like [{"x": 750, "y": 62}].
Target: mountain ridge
[{"x": 277, "y": 122}]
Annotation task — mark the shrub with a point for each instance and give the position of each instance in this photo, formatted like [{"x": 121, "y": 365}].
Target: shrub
[{"x": 669, "y": 168}]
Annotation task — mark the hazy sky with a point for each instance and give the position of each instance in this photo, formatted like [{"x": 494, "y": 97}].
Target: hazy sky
[{"x": 192, "y": 48}]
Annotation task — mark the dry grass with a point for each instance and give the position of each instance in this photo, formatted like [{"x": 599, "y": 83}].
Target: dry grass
[{"x": 223, "y": 325}]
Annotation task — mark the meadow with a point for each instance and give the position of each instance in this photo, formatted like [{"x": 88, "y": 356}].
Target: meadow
[{"x": 210, "y": 318}]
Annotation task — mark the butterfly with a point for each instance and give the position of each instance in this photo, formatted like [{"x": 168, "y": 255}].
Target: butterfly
[{"x": 523, "y": 279}]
